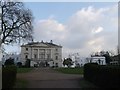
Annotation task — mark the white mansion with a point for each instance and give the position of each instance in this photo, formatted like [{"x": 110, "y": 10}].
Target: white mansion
[{"x": 41, "y": 53}]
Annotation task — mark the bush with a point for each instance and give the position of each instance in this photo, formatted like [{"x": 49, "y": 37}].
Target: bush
[
  {"x": 19, "y": 64},
  {"x": 102, "y": 76},
  {"x": 9, "y": 61},
  {"x": 8, "y": 76}
]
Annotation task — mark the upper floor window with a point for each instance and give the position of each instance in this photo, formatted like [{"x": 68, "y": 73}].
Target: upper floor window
[
  {"x": 48, "y": 56},
  {"x": 35, "y": 56},
  {"x": 56, "y": 49},
  {"x": 35, "y": 51},
  {"x": 26, "y": 49}
]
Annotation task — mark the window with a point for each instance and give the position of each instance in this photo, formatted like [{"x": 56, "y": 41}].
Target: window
[
  {"x": 42, "y": 56},
  {"x": 35, "y": 56},
  {"x": 56, "y": 64},
  {"x": 35, "y": 51},
  {"x": 56, "y": 49},
  {"x": 26, "y": 56},
  {"x": 56, "y": 57},
  {"x": 48, "y": 56},
  {"x": 26, "y": 49},
  {"x": 42, "y": 53}
]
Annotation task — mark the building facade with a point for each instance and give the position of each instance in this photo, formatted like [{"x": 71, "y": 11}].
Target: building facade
[
  {"x": 115, "y": 60},
  {"x": 96, "y": 59},
  {"x": 42, "y": 54}
]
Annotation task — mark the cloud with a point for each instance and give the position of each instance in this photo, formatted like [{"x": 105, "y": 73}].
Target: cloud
[
  {"x": 97, "y": 30},
  {"x": 49, "y": 29},
  {"x": 89, "y": 29}
]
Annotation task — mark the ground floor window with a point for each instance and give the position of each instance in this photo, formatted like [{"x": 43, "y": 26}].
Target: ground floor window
[{"x": 56, "y": 64}]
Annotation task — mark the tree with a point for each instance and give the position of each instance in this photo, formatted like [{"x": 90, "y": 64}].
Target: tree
[
  {"x": 16, "y": 22},
  {"x": 19, "y": 64},
  {"x": 68, "y": 62},
  {"x": 9, "y": 61},
  {"x": 118, "y": 53},
  {"x": 107, "y": 55}
]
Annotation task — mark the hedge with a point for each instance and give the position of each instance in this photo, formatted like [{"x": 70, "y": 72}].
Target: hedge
[
  {"x": 102, "y": 76},
  {"x": 8, "y": 76}
]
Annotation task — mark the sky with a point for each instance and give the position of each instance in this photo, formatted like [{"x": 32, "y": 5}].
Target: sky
[{"x": 80, "y": 27}]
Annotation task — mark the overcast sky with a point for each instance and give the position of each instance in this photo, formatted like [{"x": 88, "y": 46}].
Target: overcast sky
[{"x": 79, "y": 27}]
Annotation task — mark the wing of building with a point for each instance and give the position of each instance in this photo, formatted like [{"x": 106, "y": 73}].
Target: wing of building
[{"x": 42, "y": 54}]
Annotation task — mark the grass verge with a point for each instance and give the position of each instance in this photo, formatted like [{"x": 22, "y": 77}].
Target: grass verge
[{"x": 23, "y": 70}]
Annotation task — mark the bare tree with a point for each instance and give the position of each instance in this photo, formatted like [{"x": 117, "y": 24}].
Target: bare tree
[
  {"x": 16, "y": 22},
  {"x": 118, "y": 52}
]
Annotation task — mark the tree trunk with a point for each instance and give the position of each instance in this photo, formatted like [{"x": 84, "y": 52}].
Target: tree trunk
[
  {"x": 0, "y": 50},
  {"x": 0, "y": 64}
]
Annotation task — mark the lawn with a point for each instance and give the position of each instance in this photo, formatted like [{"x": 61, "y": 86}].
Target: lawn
[
  {"x": 70, "y": 70},
  {"x": 23, "y": 70},
  {"x": 21, "y": 83}
]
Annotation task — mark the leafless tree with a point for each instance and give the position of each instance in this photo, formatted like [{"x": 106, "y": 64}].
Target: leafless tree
[
  {"x": 118, "y": 52},
  {"x": 16, "y": 22}
]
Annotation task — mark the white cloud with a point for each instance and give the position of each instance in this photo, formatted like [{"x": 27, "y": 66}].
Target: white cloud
[
  {"x": 98, "y": 30},
  {"x": 86, "y": 31},
  {"x": 49, "y": 29}
]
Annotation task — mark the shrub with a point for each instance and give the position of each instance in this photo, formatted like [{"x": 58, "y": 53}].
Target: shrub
[
  {"x": 8, "y": 76},
  {"x": 9, "y": 61},
  {"x": 102, "y": 76},
  {"x": 19, "y": 64}
]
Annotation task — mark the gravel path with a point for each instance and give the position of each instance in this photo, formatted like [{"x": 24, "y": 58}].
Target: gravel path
[{"x": 48, "y": 78}]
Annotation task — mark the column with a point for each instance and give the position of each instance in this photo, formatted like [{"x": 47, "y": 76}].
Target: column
[
  {"x": 45, "y": 54},
  {"x": 38, "y": 53}
]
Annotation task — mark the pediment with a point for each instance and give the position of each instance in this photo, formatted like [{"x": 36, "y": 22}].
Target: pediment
[{"x": 40, "y": 44}]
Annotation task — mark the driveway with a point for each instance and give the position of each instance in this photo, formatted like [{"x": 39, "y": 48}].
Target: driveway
[{"x": 49, "y": 78}]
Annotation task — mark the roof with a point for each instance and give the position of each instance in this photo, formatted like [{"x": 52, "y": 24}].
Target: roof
[{"x": 41, "y": 44}]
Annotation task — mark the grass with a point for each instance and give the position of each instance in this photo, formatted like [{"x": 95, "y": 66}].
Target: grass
[
  {"x": 20, "y": 83},
  {"x": 23, "y": 70},
  {"x": 70, "y": 70}
]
